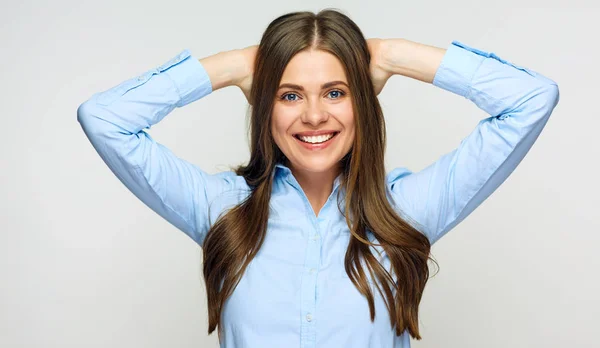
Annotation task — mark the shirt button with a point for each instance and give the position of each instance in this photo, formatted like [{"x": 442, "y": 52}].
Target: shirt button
[
  {"x": 316, "y": 237},
  {"x": 308, "y": 317},
  {"x": 311, "y": 271},
  {"x": 140, "y": 78}
]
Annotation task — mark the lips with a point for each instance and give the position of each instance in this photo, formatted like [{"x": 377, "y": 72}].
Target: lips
[
  {"x": 314, "y": 133},
  {"x": 316, "y": 139},
  {"x": 316, "y": 146}
]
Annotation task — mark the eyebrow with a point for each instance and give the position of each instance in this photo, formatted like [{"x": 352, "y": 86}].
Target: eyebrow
[{"x": 323, "y": 86}]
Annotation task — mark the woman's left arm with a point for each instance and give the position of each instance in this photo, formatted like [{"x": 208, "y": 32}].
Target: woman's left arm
[{"x": 519, "y": 102}]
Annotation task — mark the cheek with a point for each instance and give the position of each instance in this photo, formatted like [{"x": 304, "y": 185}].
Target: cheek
[
  {"x": 343, "y": 111},
  {"x": 279, "y": 125},
  {"x": 346, "y": 117}
]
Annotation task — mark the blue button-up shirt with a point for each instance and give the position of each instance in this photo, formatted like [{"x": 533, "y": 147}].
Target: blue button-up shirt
[{"x": 295, "y": 292}]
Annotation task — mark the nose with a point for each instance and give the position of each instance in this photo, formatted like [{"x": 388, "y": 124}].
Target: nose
[{"x": 315, "y": 113}]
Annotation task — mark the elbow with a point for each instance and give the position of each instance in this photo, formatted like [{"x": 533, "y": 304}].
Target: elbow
[
  {"x": 553, "y": 95},
  {"x": 545, "y": 96},
  {"x": 87, "y": 117},
  {"x": 84, "y": 112},
  {"x": 546, "y": 101},
  {"x": 548, "y": 98}
]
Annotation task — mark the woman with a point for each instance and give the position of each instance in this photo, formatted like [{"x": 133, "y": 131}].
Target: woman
[{"x": 306, "y": 243}]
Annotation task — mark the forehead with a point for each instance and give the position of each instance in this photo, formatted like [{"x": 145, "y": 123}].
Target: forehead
[{"x": 311, "y": 68}]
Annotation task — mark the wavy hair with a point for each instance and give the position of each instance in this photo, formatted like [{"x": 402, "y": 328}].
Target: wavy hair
[{"x": 236, "y": 237}]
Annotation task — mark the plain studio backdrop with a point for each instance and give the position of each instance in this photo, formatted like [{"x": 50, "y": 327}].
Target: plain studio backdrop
[{"x": 86, "y": 264}]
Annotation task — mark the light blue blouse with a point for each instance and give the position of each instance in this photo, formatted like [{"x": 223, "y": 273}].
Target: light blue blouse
[{"x": 295, "y": 293}]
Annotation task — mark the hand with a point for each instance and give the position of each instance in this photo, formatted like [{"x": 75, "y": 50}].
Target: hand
[
  {"x": 379, "y": 74},
  {"x": 248, "y": 55}
]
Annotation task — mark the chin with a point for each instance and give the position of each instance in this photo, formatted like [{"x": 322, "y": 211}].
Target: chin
[{"x": 315, "y": 165}]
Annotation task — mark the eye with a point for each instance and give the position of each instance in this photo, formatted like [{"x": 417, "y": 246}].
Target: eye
[
  {"x": 340, "y": 93},
  {"x": 283, "y": 97},
  {"x": 337, "y": 91}
]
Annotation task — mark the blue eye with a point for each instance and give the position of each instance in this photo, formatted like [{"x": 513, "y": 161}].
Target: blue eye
[
  {"x": 337, "y": 91},
  {"x": 288, "y": 94},
  {"x": 283, "y": 97}
]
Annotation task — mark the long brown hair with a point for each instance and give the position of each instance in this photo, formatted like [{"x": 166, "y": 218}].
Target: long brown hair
[{"x": 235, "y": 238}]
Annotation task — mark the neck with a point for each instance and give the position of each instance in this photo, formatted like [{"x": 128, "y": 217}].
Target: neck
[{"x": 317, "y": 186}]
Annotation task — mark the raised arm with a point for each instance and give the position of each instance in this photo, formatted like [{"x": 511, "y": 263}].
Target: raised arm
[
  {"x": 519, "y": 102},
  {"x": 114, "y": 121}
]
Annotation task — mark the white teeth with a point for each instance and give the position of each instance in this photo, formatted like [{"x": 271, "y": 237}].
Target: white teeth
[{"x": 316, "y": 139}]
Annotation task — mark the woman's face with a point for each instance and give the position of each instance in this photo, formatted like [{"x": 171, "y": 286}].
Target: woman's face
[{"x": 313, "y": 121}]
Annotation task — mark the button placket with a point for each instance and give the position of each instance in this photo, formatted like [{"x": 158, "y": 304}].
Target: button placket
[
  {"x": 309, "y": 278},
  {"x": 309, "y": 284}
]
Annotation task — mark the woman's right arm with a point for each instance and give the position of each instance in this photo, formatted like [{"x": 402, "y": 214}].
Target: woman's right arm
[{"x": 114, "y": 121}]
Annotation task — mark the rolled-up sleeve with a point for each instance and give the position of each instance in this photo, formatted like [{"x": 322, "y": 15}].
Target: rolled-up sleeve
[{"x": 519, "y": 102}]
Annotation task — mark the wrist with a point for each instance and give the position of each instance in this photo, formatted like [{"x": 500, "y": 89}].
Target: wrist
[
  {"x": 411, "y": 59},
  {"x": 240, "y": 68},
  {"x": 224, "y": 68}
]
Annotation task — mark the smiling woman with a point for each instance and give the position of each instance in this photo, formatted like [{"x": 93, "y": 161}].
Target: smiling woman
[
  {"x": 308, "y": 241},
  {"x": 319, "y": 117},
  {"x": 326, "y": 139}
]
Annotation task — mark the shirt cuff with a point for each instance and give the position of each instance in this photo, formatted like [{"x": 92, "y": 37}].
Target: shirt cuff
[
  {"x": 458, "y": 67},
  {"x": 189, "y": 76}
]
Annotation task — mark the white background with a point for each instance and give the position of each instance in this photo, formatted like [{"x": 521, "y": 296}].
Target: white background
[{"x": 83, "y": 263}]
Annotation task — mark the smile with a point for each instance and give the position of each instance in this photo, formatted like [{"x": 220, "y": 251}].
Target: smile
[
  {"x": 318, "y": 139},
  {"x": 318, "y": 142}
]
